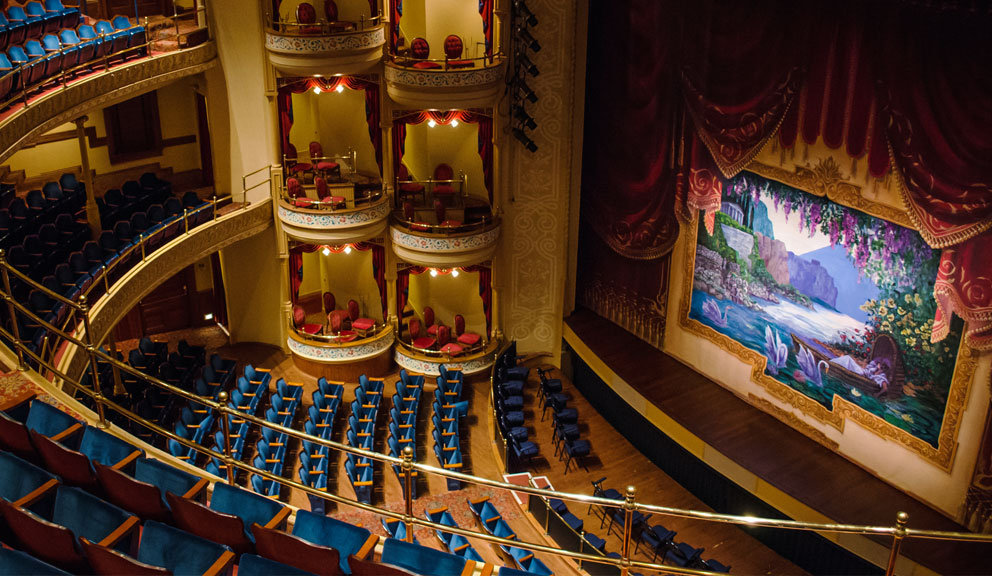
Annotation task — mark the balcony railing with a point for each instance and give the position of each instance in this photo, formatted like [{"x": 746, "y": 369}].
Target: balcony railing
[
  {"x": 320, "y": 28},
  {"x": 93, "y": 392}
]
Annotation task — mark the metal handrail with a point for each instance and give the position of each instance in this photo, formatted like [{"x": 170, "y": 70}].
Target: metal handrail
[
  {"x": 899, "y": 531},
  {"x": 408, "y": 61},
  {"x": 488, "y": 348},
  {"x": 321, "y": 28},
  {"x": 327, "y": 205},
  {"x": 415, "y": 227},
  {"x": 335, "y": 340}
]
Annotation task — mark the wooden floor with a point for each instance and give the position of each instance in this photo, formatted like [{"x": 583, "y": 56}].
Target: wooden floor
[{"x": 809, "y": 472}]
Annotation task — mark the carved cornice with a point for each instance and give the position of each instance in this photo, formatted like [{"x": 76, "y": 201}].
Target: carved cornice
[
  {"x": 454, "y": 88},
  {"x": 100, "y": 90}
]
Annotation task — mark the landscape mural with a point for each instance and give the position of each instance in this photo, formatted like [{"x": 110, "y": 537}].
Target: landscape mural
[{"x": 838, "y": 302}]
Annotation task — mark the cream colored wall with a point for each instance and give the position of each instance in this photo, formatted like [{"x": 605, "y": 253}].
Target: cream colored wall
[
  {"x": 414, "y": 23},
  {"x": 177, "y": 117},
  {"x": 348, "y": 10},
  {"x": 889, "y": 460},
  {"x": 456, "y": 146},
  {"x": 254, "y": 283},
  {"x": 349, "y": 277},
  {"x": 311, "y": 274},
  {"x": 448, "y": 296},
  {"x": 434, "y": 20},
  {"x": 341, "y": 124}
]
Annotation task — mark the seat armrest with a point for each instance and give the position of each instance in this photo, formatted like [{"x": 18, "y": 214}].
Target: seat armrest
[
  {"x": 279, "y": 520},
  {"x": 199, "y": 491},
  {"x": 222, "y": 565},
  {"x": 128, "y": 526},
  {"x": 67, "y": 432},
  {"x": 486, "y": 570},
  {"x": 36, "y": 494},
  {"x": 127, "y": 461},
  {"x": 469, "y": 568},
  {"x": 368, "y": 547}
]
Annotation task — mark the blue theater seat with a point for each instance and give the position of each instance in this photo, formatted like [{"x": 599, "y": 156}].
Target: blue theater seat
[
  {"x": 23, "y": 483},
  {"x": 144, "y": 493},
  {"x": 396, "y": 529},
  {"x": 29, "y": 413},
  {"x": 75, "y": 466},
  {"x": 53, "y": 534},
  {"x": 296, "y": 552},
  {"x": 69, "y": 17},
  {"x": 423, "y": 560},
  {"x": 252, "y": 565},
  {"x": 17, "y": 563},
  {"x": 163, "y": 550},
  {"x": 347, "y": 539}
]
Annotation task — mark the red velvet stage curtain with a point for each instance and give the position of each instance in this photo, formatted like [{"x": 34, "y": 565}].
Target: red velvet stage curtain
[
  {"x": 485, "y": 139},
  {"x": 742, "y": 66},
  {"x": 485, "y": 292},
  {"x": 372, "y": 112},
  {"x": 628, "y": 186},
  {"x": 395, "y": 22},
  {"x": 486, "y": 11},
  {"x": 403, "y": 286},
  {"x": 296, "y": 268}
]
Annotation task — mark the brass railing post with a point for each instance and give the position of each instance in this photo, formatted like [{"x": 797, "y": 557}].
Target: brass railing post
[
  {"x": 15, "y": 330},
  {"x": 84, "y": 309},
  {"x": 213, "y": 200},
  {"x": 226, "y": 427},
  {"x": 186, "y": 219},
  {"x": 628, "y": 528},
  {"x": 902, "y": 519},
  {"x": 408, "y": 489}
]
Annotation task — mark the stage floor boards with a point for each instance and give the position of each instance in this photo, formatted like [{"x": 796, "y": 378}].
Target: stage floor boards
[{"x": 781, "y": 456}]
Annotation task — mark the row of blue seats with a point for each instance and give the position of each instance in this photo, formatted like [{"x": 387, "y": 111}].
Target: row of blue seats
[
  {"x": 22, "y": 216},
  {"x": 403, "y": 424},
  {"x": 141, "y": 195},
  {"x": 454, "y": 543},
  {"x": 492, "y": 521},
  {"x": 315, "y": 458},
  {"x": 270, "y": 455},
  {"x": 508, "y": 393},
  {"x": 448, "y": 408},
  {"x": 34, "y": 61},
  {"x": 361, "y": 434},
  {"x": 33, "y": 19},
  {"x": 564, "y": 421}
]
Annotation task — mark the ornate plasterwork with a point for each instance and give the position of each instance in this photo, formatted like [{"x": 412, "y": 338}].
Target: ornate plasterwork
[
  {"x": 429, "y": 243},
  {"x": 331, "y": 354},
  {"x": 453, "y": 78},
  {"x": 99, "y": 91},
  {"x": 360, "y": 40},
  {"x": 163, "y": 264},
  {"x": 326, "y": 219},
  {"x": 823, "y": 180},
  {"x": 432, "y": 367}
]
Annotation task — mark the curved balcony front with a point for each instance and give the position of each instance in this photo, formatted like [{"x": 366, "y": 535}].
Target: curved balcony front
[
  {"x": 429, "y": 362},
  {"x": 325, "y": 48},
  {"x": 343, "y": 356},
  {"x": 353, "y": 217},
  {"x": 444, "y": 245},
  {"x": 429, "y": 84}
]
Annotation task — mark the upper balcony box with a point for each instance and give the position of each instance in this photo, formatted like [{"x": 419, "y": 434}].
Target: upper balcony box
[
  {"x": 324, "y": 37},
  {"x": 443, "y": 55}
]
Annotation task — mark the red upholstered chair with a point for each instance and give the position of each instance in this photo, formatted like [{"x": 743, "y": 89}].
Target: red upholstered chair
[
  {"x": 444, "y": 191},
  {"x": 325, "y": 195},
  {"x": 329, "y": 302},
  {"x": 293, "y": 166},
  {"x": 405, "y": 188},
  {"x": 321, "y": 164},
  {"x": 419, "y": 340},
  {"x": 295, "y": 191},
  {"x": 300, "y": 319},
  {"x": 362, "y": 326},
  {"x": 306, "y": 16},
  {"x": 330, "y": 10},
  {"x": 410, "y": 216},
  {"x": 444, "y": 341},
  {"x": 439, "y": 211},
  {"x": 420, "y": 50},
  {"x": 469, "y": 339},
  {"x": 453, "y": 53},
  {"x": 429, "y": 321}
]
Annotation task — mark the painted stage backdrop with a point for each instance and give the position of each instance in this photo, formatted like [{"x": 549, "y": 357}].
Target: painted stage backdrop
[{"x": 839, "y": 302}]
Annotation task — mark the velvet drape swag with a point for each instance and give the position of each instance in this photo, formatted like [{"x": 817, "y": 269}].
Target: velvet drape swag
[{"x": 903, "y": 89}]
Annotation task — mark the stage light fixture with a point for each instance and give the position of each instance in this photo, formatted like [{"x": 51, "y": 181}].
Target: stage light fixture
[
  {"x": 525, "y": 92},
  {"x": 339, "y": 89},
  {"x": 520, "y": 7},
  {"x": 316, "y": 90},
  {"x": 523, "y": 35},
  {"x": 454, "y": 123},
  {"x": 454, "y": 272},
  {"x": 431, "y": 123},
  {"x": 526, "y": 121},
  {"x": 522, "y": 61},
  {"x": 433, "y": 272},
  {"x": 326, "y": 251},
  {"x": 524, "y": 139},
  {"x": 347, "y": 248}
]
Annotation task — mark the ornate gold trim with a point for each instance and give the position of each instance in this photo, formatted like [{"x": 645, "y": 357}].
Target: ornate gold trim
[
  {"x": 825, "y": 180},
  {"x": 791, "y": 419}
]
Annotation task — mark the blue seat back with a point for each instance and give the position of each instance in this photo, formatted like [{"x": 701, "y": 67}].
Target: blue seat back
[
  {"x": 48, "y": 420},
  {"x": 167, "y": 478},
  {"x": 18, "y": 478},
  {"x": 104, "y": 27},
  {"x": 244, "y": 504},
  {"x": 34, "y": 49},
  {"x": 421, "y": 559},
  {"x": 121, "y": 23},
  {"x": 17, "y": 563},
  {"x": 104, "y": 448},
  {"x": 86, "y": 515},
  {"x": 177, "y": 551},
  {"x": 346, "y": 538},
  {"x": 252, "y": 565}
]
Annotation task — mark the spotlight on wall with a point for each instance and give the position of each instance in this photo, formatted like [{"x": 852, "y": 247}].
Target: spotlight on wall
[
  {"x": 524, "y": 139},
  {"x": 520, "y": 7},
  {"x": 339, "y": 89},
  {"x": 523, "y": 35},
  {"x": 526, "y": 120},
  {"x": 316, "y": 90},
  {"x": 326, "y": 251},
  {"x": 454, "y": 272},
  {"x": 525, "y": 92},
  {"x": 433, "y": 272},
  {"x": 431, "y": 123},
  {"x": 454, "y": 123},
  {"x": 347, "y": 248},
  {"x": 524, "y": 62}
]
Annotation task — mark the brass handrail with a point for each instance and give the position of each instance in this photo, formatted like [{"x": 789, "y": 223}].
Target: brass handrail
[
  {"x": 321, "y": 27},
  {"x": 408, "y": 61},
  {"x": 487, "y": 223}
]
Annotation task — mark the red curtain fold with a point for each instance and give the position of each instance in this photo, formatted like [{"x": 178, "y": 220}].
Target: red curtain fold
[
  {"x": 373, "y": 8},
  {"x": 296, "y": 268},
  {"x": 486, "y": 11},
  {"x": 397, "y": 13},
  {"x": 485, "y": 292},
  {"x": 379, "y": 271},
  {"x": 372, "y": 113},
  {"x": 964, "y": 287},
  {"x": 403, "y": 286},
  {"x": 485, "y": 138}
]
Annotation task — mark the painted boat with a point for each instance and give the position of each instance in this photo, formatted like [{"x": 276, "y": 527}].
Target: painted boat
[{"x": 884, "y": 348}]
